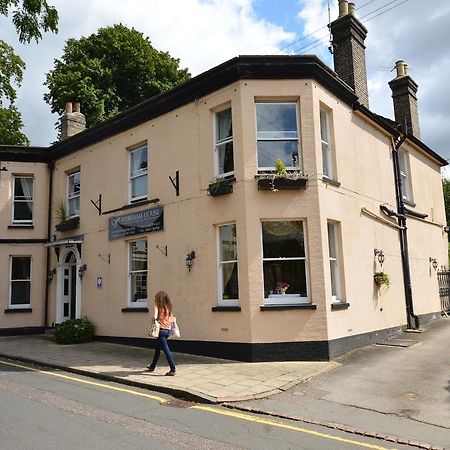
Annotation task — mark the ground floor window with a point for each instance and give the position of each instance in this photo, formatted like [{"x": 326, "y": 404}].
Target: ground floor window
[
  {"x": 20, "y": 282},
  {"x": 137, "y": 272},
  {"x": 228, "y": 266},
  {"x": 284, "y": 262}
]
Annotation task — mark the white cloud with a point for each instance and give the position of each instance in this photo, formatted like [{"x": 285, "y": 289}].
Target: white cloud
[{"x": 201, "y": 33}]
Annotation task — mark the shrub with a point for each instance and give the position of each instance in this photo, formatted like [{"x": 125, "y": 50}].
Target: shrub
[{"x": 74, "y": 331}]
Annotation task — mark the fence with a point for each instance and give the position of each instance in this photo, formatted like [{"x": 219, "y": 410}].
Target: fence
[{"x": 444, "y": 290}]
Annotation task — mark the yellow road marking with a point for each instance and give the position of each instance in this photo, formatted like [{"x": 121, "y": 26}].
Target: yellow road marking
[
  {"x": 92, "y": 383},
  {"x": 236, "y": 415},
  {"x": 273, "y": 423}
]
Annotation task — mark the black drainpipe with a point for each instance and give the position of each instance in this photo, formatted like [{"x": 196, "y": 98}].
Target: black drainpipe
[
  {"x": 412, "y": 319},
  {"x": 51, "y": 166}
]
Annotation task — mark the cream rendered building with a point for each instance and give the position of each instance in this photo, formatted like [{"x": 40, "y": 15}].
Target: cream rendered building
[{"x": 254, "y": 274}]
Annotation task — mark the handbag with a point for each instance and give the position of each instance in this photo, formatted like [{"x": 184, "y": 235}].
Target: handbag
[
  {"x": 174, "y": 330},
  {"x": 153, "y": 329}
]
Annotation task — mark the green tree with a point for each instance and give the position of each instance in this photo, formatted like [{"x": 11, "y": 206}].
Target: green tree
[
  {"x": 30, "y": 17},
  {"x": 110, "y": 71},
  {"x": 10, "y": 126},
  {"x": 446, "y": 189}
]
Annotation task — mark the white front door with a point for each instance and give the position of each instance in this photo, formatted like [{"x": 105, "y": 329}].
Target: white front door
[
  {"x": 68, "y": 287},
  {"x": 69, "y": 291}
]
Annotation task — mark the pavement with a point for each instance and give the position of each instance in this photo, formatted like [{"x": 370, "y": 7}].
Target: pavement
[{"x": 398, "y": 392}]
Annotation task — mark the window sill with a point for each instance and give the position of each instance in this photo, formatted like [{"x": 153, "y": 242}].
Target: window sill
[
  {"x": 225, "y": 308},
  {"x": 338, "y": 306},
  {"x": 132, "y": 205},
  {"x": 17, "y": 226},
  {"x": 330, "y": 181},
  {"x": 136, "y": 309},
  {"x": 409, "y": 203},
  {"x": 285, "y": 307},
  {"x": 18, "y": 310}
]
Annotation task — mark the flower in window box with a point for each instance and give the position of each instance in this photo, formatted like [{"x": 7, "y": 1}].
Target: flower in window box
[
  {"x": 281, "y": 179},
  {"x": 281, "y": 287}
]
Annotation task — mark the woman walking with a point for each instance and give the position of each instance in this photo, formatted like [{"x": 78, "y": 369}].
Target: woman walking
[{"x": 163, "y": 314}]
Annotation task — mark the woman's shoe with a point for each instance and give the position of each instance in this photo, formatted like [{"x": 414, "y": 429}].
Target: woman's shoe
[
  {"x": 170, "y": 374},
  {"x": 150, "y": 368}
]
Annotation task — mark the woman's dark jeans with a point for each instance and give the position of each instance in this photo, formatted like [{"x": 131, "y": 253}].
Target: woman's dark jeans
[{"x": 161, "y": 344}]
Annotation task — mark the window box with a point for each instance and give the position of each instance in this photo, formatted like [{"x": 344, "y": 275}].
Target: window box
[
  {"x": 69, "y": 224},
  {"x": 281, "y": 184},
  {"x": 221, "y": 188}
]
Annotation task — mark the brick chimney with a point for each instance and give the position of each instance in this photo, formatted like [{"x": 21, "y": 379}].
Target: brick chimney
[
  {"x": 72, "y": 121},
  {"x": 349, "y": 50},
  {"x": 404, "y": 90}
]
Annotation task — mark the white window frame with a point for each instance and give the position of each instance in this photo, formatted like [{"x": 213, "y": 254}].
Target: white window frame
[
  {"x": 141, "y": 302},
  {"x": 287, "y": 299},
  {"x": 138, "y": 174},
  {"x": 295, "y": 139},
  {"x": 11, "y": 281},
  {"x": 74, "y": 195},
  {"x": 335, "y": 262},
  {"x": 19, "y": 221},
  {"x": 404, "y": 170},
  {"x": 220, "y": 264},
  {"x": 326, "y": 144},
  {"x": 218, "y": 143}
]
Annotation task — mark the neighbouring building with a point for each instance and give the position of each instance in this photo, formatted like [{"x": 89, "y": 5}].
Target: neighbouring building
[{"x": 181, "y": 193}]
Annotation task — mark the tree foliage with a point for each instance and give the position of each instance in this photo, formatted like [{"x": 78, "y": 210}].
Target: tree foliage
[
  {"x": 30, "y": 17},
  {"x": 110, "y": 71},
  {"x": 10, "y": 126},
  {"x": 446, "y": 189},
  {"x": 11, "y": 71}
]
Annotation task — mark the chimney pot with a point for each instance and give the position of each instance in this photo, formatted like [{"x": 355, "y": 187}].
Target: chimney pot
[
  {"x": 76, "y": 107},
  {"x": 343, "y": 8},
  {"x": 402, "y": 68},
  {"x": 68, "y": 107},
  {"x": 351, "y": 9}
]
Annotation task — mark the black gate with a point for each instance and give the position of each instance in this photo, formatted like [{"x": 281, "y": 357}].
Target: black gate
[{"x": 444, "y": 290}]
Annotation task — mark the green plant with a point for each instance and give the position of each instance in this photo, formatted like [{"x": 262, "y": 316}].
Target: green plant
[
  {"x": 280, "y": 169},
  {"x": 62, "y": 211},
  {"x": 74, "y": 331},
  {"x": 281, "y": 173},
  {"x": 382, "y": 279}
]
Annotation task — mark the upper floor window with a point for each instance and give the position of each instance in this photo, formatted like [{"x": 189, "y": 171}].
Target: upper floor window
[
  {"x": 138, "y": 174},
  {"x": 277, "y": 135},
  {"x": 23, "y": 200},
  {"x": 284, "y": 262},
  {"x": 405, "y": 175},
  {"x": 73, "y": 194},
  {"x": 228, "y": 266},
  {"x": 137, "y": 272},
  {"x": 20, "y": 282},
  {"x": 224, "y": 162},
  {"x": 335, "y": 263},
  {"x": 325, "y": 137}
]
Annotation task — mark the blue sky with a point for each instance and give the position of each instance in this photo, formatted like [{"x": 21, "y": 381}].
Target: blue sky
[{"x": 205, "y": 33}]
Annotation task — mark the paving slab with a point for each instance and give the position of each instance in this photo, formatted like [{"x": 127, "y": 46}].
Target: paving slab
[{"x": 199, "y": 378}]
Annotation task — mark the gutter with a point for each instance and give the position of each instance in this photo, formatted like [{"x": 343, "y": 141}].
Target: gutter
[
  {"x": 51, "y": 167},
  {"x": 411, "y": 318}
]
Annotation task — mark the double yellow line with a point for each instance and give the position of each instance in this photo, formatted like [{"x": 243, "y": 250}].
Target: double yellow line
[{"x": 210, "y": 409}]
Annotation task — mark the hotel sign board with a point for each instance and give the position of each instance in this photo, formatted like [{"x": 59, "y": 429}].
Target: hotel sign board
[{"x": 136, "y": 223}]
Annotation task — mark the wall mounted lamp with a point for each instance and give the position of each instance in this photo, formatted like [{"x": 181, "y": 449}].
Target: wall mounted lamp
[
  {"x": 81, "y": 270},
  {"x": 380, "y": 256},
  {"x": 50, "y": 275},
  {"x": 190, "y": 260},
  {"x": 433, "y": 263}
]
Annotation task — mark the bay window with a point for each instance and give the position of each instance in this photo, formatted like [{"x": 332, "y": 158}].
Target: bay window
[
  {"x": 224, "y": 160},
  {"x": 228, "y": 266},
  {"x": 277, "y": 135},
  {"x": 334, "y": 258},
  {"x": 284, "y": 262}
]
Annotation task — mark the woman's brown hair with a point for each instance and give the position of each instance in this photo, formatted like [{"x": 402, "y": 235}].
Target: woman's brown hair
[{"x": 163, "y": 302}]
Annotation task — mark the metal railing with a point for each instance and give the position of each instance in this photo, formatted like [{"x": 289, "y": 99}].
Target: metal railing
[{"x": 444, "y": 290}]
